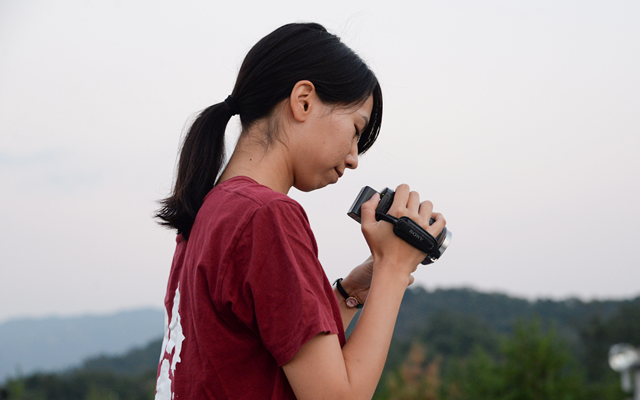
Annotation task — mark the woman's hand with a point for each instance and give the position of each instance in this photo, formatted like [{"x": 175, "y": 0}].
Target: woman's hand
[
  {"x": 384, "y": 244},
  {"x": 358, "y": 282}
]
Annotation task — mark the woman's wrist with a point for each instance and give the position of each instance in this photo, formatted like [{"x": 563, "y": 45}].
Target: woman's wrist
[
  {"x": 391, "y": 274},
  {"x": 347, "y": 285},
  {"x": 351, "y": 298},
  {"x": 347, "y": 313}
]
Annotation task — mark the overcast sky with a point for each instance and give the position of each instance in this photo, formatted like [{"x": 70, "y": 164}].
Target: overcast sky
[{"x": 519, "y": 120}]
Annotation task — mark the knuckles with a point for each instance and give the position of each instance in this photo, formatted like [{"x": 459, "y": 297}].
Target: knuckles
[
  {"x": 428, "y": 204},
  {"x": 440, "y": 218},
  {"x": 424, "y": 211},
  {"x": 402, "y": 187}
]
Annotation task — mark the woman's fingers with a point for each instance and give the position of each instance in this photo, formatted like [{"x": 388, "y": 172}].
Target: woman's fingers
[
  {"x": 405, "y": 204},
  {"x": 426, "y": 209},
  {"x": 413, "y": 204},
  {"x": 438, "y": 224},
  {"x": 400, "y": 200},
  {"x": 368, "y": 211}
]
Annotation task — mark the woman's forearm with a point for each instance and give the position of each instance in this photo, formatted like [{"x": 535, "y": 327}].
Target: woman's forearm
[{"x": 366, "y": 350}]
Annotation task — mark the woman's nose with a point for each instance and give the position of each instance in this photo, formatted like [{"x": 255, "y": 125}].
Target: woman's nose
[{"x": 352, "y": 158}]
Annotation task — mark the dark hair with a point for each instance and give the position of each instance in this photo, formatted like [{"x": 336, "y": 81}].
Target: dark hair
[{"x": 291, "y": 53}]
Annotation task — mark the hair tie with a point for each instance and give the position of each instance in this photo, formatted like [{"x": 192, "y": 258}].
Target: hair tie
[{"x": 232, "y": 105}]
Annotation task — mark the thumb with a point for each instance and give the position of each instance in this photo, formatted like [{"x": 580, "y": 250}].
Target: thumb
[{"x": 368, "y": 211}]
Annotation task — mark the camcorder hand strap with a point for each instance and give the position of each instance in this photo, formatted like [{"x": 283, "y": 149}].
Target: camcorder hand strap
[{"x": 408, "y": 230}]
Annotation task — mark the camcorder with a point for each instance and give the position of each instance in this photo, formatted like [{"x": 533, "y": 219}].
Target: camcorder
[{"x": 404, "y": 227}]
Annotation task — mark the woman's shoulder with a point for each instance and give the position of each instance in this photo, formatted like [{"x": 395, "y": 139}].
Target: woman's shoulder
[
  {"x": 240, "y": 205},
  {"x": 241, "y": 200},
  {"x": 242, "y": 189}
]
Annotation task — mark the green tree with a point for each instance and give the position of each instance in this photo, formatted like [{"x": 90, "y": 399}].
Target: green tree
[
  {"x": 481, "y": 377},
  {"x": 537, "y": 365},
  {"x": 531, "y": 365}
]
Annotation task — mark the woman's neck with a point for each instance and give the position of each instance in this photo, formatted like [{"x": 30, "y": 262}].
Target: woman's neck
[{"x": 269, "y": 167}]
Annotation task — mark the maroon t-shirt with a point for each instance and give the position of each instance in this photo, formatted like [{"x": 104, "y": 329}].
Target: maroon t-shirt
[{"x": 246, "y": 291}]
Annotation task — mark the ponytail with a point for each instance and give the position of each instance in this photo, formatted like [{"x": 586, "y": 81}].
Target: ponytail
[{"x": 201, "y": 158}]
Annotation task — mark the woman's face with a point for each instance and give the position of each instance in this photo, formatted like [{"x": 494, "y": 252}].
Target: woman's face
[{"x": 328, "y": 144}]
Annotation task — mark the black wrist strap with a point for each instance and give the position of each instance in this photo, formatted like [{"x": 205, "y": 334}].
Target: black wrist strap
[
  {"x": 412, "y": 233},
  {"x": 345, "y": 294}
]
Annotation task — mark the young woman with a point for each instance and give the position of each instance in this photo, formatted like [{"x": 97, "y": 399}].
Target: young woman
[{"x": 250, "y": 313}]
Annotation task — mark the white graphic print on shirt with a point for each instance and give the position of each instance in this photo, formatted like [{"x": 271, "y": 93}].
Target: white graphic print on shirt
[{"x": 171, "y": 347}]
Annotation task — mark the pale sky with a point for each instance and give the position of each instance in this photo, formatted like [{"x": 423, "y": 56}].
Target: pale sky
[{"x": 519, "y": 120}]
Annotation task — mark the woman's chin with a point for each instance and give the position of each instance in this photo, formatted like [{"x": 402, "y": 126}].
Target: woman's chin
[{"x": 311, "y": 186}]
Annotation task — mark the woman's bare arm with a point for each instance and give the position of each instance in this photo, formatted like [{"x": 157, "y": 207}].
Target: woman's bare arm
[{"x": 323, "y": 370}]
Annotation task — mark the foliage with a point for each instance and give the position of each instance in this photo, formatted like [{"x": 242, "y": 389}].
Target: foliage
[
  {"x": 128, "y": 377},
  {"x": 493, "y": 347},
  {"x": 82, "y": 386},
  {"x": 416, "y": 379},
  {"x": 137, "y": 361},
  {"x": 455, "y": 334},
  {"x": 531, "y": 364},
  {"x": 600, "y": 334},
  {"x": 538, "y": 366},
  {"x": 480, "y": 377}
]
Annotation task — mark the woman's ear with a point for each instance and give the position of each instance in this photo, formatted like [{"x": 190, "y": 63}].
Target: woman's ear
[{"x": 303, "y": 97}]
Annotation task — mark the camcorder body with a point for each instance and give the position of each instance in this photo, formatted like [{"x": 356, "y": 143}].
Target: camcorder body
[{"x": 404, "y": 227}]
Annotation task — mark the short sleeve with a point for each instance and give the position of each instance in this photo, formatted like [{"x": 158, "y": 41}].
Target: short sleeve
[{"x": 292, "y": 297}]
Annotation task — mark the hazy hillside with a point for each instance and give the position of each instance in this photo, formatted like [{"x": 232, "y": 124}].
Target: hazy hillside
[
  {"x": 464, "y": 343},
  {"x": 497, "y": 310},
  {"x": 134, "y": 362},
  {"x": 47, "y": 344}
]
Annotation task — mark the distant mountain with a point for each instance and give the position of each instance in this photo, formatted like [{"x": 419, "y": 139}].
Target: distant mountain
[
  {"x": 56, "y": 343},
  {"x": 136, "y": 361},
  {"x": 498, "y": 310}
]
